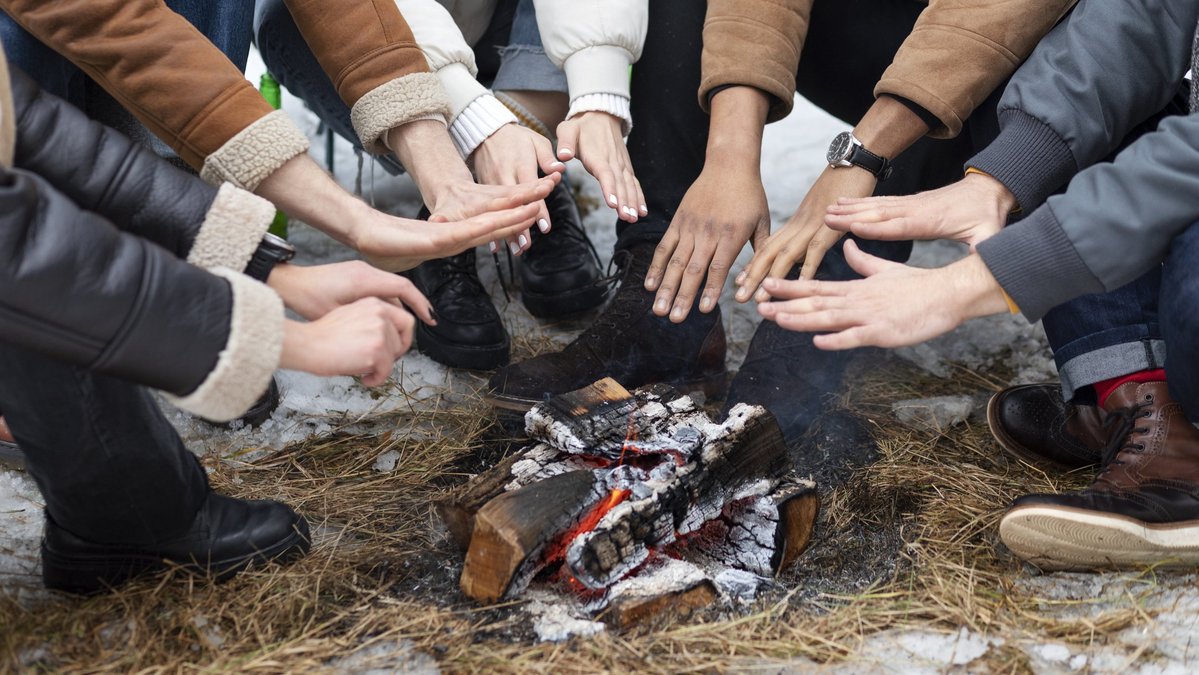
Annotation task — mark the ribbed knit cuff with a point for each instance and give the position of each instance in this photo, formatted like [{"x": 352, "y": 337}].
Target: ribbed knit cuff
[
  {"x": 1037, "y": 265},
  {"x": 1028, "y": 157},
  {"x": 477, "y": 122},
  {"x": 613, "y": 104}
]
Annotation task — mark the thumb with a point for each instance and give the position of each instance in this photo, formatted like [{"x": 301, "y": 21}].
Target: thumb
[
  {"x": 863, "y": 263},
  {"x": 545, "y": 156},
  {"x": 568, "y": 140}
]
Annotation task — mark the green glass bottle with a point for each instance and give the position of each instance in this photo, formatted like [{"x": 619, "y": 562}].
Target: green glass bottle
[{"x": 269, "y": 88}]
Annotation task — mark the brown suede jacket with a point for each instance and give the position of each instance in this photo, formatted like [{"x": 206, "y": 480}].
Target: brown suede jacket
[
  {"x": 955, "y": 56},
  {"x": 184, "y": 90}
]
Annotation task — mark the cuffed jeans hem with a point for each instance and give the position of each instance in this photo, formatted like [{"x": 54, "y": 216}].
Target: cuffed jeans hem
[
  {"x": 1109, "y": 362},
  {"x": 527, "y": 68}
]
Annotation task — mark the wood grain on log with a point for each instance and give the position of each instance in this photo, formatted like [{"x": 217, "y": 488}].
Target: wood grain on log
[
  {"x": 798, "y": 507},
  {"x": 625, "y": 613}
]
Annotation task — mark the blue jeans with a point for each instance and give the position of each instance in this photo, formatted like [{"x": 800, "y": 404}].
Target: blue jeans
[
  {"x": 509, "y": 56},
  {"x": 226, "y": 23},
  {"x": 110, "y": 467}
]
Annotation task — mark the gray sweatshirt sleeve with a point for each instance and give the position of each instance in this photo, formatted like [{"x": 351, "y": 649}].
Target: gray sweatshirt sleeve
[
  {"x": 1103, "y": 70},
  {"x": 1114, "y": 222}
]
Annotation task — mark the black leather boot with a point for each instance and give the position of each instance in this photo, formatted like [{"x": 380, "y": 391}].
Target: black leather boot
[
  {"x": 628, "y": 343},
  {"x": 1032, "y": 422},
  {"x": 469, "y": 333},
  {"x": 226, "y": 536},
  {"x": 259, "y": 412},
  {"x": 560, "y": 273}
]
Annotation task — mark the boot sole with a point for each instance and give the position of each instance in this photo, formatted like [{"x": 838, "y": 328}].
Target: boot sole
[
  {"x": 562, "y": 305},
  {"x": 469, "y": 357},
  {"x": 89, "y": 575},
  {"x": 713, "y": 387},
  {"x": 1057, "y": 538},
  {"x": 1019, "y": 451}
]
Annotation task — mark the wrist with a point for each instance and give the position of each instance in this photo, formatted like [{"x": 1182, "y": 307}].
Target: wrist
[
  {"x": 889, "y": 127},
  {"x": 995, "y": 190},
  {"x": 980, "y": 293},
  {"x": 296, "y": 346}
]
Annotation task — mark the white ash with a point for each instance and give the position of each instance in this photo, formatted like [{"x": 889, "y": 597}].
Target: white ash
[
  {"x": 555, "y": 619},
  {"x": 739, "y": 585},
  {"x": 750, "y": 531}
]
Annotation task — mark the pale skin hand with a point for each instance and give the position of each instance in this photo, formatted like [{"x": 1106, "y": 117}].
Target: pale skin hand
[
  {"x": 596, "y": 139},
  {"x": 511, "y": 156},
  {"x": 723, "y": 209},
  {"x": 968, "y": 211},
  {"x": 363, "y": 339},
  {"x": 893, "y": 306},
  {"x": 887, "y": 129},
  {"x": 313, "y": 292}
]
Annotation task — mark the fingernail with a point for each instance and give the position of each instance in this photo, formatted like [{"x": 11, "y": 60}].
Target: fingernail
[
  {"x": 650, "y": 281},
  {"x": 558, "y": 165},
  {"x": 706, "y": 303},
  {"x": 769, "y": 283},
  {"x": 543, "y": 225},
  {"x": 566, "y": 151},
  {"x": 612, "y": 200},
  {"x": 644, "y": 210},
  {"x": 742, "y": 294},
  {"x": 660, "y": 305},
  {"x": 493, "y": 247},
  {"x": 741, "y": 278},
  {"x": 433, "y": 313},
  {"x": 676, "y": 313},
  {"x": 514, "y": 248},
  {"x": 631, "y": 211},
  {"x": 523, "y": 241}
]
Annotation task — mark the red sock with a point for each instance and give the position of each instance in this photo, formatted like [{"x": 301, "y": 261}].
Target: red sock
[{"x": 1106, "y": 387}]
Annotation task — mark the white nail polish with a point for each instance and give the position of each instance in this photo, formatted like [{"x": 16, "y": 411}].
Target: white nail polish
[
  {"x": 514, "y": 248},
  {"x": 523, "y": 241},
  {"x": 543, "y": 225},
  {"x": 644, "y": 209},
  {"x": 612, "y": 200},
  {"x": 493, "y": 247},
  {"x": 558, "y": 165}
]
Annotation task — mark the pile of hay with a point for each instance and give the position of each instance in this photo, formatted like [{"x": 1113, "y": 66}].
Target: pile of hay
[{"x": 907, "y": 541}]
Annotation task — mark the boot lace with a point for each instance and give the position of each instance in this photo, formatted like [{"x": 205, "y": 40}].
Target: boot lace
[{"x": 1124, "y": 421}]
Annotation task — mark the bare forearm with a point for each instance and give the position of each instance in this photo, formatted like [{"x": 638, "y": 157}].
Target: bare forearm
[
  {"x": 304, "y": 191},
  {"x": 426, "y": 151},
  {"x": 889, "y": 127},
  {"x": 735, "y": 130}
]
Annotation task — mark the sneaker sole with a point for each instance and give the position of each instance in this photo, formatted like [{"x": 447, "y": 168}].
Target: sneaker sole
[
  {"x": 469, "y": 357},
  {"x": 88, "y": 575},
  {"x": 1059, "y": 538},
  {"x": 1015, "y": 449},
  {"x": 713, "y": 387},
  {"x": 566, "y": 304}
]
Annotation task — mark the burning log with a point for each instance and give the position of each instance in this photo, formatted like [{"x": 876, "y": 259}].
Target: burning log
[{"x": 618, "y": 485}]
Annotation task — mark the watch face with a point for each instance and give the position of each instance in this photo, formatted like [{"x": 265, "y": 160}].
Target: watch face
[{"x": 839, "y": 149}]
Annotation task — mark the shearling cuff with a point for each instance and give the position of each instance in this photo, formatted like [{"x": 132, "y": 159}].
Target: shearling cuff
[
  {"x": 613, "y": 104},
  {"x": 245, "y": 366},
  {"x": 232, "y": 229},
  {"x": 394, "y": 104},
  {"x": 1028, "y": 157},
  {"x": 478, "y": 121},
  {"x": 1037, "y": 265},
  {"x": 255, "y": 152}
]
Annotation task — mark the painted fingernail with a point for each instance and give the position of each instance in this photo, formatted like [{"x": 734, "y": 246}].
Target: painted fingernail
[
  {"x": 523, "y": 241},
  {"x": 543, "y": 225},
  {"x": 612, "y": 200},
  {"x": 513, "y": 247},
  {"x": 644, "y": 210},
  {"x": 558, "y": 165},
  {"x": 660, "y": 305},
  {"x": 566, "y": 151},
  {"x": 493, "y": 247}
]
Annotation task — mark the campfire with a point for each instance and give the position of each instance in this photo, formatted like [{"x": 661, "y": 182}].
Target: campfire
[{"x": 633, "y": 503}]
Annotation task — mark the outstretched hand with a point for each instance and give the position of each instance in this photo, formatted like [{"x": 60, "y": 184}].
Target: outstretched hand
[
  {"x": 596, "y": 139},
  {"x": 720, "y": 212},
  {"x": 363, "y": 339},
  {"x": 313, "y": 292},
  {"x": 397, "y": 244},
  {"x": 893, "y": 306},
  {"x": 512, "y": 156},
  {"x": 804, "y": 237},
  {"x": 968, "y": 211}
]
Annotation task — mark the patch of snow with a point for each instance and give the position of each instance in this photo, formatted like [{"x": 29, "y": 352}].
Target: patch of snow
[
  {"x": 937, "y": 413},
  {"x": 382, "y": 658}
]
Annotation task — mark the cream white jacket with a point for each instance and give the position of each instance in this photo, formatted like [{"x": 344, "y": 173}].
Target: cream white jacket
[{"x": 593, "y": 41}]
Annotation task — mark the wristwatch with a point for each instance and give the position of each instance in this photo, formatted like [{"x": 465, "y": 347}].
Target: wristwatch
[
  {"x": 271, "y": 251},
  {"x": 846, "y": 150}
]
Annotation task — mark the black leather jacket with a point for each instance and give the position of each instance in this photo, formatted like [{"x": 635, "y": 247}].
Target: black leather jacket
[{"x": 95, "y": 234}]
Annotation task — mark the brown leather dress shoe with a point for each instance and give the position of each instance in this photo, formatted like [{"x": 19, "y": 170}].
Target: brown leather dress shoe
[
  {"x": 1032, "y": 422},
  {"x": 1142, "y": 509}
]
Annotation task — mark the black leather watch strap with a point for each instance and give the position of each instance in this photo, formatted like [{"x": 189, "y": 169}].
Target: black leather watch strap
[
  {"x": 879, "y": 166},
  {"x": 271, "y": 251}
]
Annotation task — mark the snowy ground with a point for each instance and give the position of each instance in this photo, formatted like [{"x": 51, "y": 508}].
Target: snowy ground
[{"x": 793, "y": 153}]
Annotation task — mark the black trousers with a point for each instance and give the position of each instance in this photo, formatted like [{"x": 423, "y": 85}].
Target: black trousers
[
  {"x": 849, "y": 45},
  {"x": 109, "y": 465}
]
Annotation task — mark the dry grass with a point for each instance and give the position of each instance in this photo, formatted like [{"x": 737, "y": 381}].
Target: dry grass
[{"x": 381, "y": 575}]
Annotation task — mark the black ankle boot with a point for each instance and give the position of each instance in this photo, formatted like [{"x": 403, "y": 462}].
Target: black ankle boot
[
  {"x": 560, "y": 273},
  {"x": 259, "y": 412},
  {"x": 226, "y": 536},
  {"x": 469, "y": 333},
  {"x": 628, "y": 343}
]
